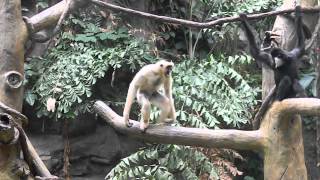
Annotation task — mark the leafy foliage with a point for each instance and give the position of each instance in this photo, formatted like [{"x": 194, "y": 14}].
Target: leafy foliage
[
  {"x": 164, "y": 162},
  {"x": 200, "y": 88},
  {"x": 68, "y": 72},
  {"x": 234, "y": 7},
  {"x": 209, "y": 92}
]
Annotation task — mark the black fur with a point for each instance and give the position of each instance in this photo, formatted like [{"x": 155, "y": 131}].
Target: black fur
[{"x": 286, "y": 75}]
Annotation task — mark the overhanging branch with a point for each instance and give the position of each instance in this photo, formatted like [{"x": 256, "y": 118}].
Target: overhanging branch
[
  {"x": 51, "y": 15},
  {"x": 233, "y": 139},
  {"x": 199, "y": 24}
]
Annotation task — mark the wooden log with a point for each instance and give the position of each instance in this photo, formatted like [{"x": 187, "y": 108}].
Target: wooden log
[{"x": 235, "y": 139}]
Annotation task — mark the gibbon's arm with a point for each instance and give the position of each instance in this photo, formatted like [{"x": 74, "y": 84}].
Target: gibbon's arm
[
  {"x": 298, "y": 51},
  {"x": 254, "y": 50},
  {"x": 168, "y": 87},
  {"x": 253, "y": 47},
  {"x": 168, "y": 92},
  {"x": 132, "y": 91}
]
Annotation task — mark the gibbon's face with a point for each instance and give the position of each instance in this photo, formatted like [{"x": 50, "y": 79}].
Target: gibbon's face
[
  {"x": 166, "y": 67},
  {"x": 278, "y": 62}
]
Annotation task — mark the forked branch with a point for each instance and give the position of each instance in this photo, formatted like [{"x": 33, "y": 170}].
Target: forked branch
[{"x": 233, "y": 139}]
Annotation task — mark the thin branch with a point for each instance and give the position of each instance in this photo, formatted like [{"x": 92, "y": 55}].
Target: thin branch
[
  {"x": 62, "y": 17},
  {"x": 233, "y": 139},
  {"x": 32, "y": 157},
  {"x": 302, "y": 106},
  {"x": 199, "y": 24},
  {"x": 51, "y": 15},
  {"x": 264, "y": 107}
]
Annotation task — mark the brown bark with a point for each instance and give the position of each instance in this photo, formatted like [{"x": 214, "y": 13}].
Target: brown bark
[
  {"x": 11, "y": 93},
  {"x": 284, "y": 157},
  {"x": 235, "y": 139},
  {"x": 317, "y": 69},
  {"x": 11, "y": 74}
]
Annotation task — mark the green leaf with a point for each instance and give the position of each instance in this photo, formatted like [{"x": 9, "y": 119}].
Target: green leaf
[{"x": 30, "y": 97}]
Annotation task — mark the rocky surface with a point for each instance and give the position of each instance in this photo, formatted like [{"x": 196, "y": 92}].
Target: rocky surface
[{"x": 92, "y": 155}]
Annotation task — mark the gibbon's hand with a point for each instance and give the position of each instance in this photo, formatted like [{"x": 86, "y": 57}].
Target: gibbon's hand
[
  {"x": 127, "y": 121},
  {"x": 243, "y": 16}
]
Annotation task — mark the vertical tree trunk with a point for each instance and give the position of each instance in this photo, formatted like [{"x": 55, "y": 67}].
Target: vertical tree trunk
[
  {"x": 317, "y": 64},
  {"x": 11, "y": 73},
  {"x": 284, "y": 155}
]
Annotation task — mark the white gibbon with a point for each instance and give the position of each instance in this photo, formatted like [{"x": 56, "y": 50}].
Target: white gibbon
[{"x": 145, "y": 86}]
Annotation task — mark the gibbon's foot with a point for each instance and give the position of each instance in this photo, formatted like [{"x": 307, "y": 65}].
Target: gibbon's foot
[
  {"x": 143, "y": 127},
  {"x": 129, "y": 124},
  {"x": 169, "y": 121}
]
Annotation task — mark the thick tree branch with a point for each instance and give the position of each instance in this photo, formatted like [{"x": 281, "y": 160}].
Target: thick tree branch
[
  {"x": 199, "y": 24},
  {"x": 51, "y": 15},
  {"x": 233, "y": 139},
  {"x": 302, "y": 106}
]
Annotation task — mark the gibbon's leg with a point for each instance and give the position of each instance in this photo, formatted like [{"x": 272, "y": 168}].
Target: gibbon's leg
[
  {"x": 172, "y": 114},
  {"x": 298, "y": 89},
  {"x": 263, "y": 108},
  {"x": 163, "y": 103},
  {"x": 145, "y": 111},
  {"x": 168, "y": 93},
  {"x": 283, "y": 88}
]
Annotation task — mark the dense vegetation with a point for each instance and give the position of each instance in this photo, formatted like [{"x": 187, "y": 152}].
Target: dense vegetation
[{"x": 216, "y": 84}]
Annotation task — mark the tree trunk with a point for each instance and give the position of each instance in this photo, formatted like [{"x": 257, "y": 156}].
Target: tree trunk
[
  {"x": 284, "y": 157},
  {"x": 11, "y": 75},
  {"x": 317, "y": 69}
]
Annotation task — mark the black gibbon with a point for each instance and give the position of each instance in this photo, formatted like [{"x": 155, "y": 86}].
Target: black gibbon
[
  {"x": 284, "y": 64},
  {"x": 145, "y": 86}
]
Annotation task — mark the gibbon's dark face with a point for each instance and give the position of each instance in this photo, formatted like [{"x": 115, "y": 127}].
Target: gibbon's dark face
[
  {"x": 166, "y": 67},
  {"x": 168, "y": 70}
]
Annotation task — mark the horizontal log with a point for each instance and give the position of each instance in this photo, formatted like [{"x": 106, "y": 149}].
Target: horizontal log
[{"x": 233, "y": 139}]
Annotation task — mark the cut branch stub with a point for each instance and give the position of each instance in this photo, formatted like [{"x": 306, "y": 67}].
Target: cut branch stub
[{"x": 8, "y": 134}]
